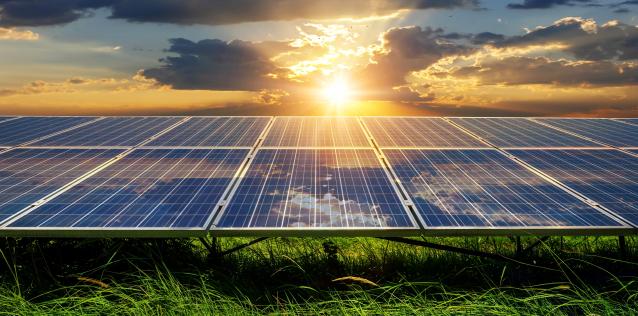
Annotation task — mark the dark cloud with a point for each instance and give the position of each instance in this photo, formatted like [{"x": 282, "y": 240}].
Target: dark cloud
[
  {"x": 584, "y": 39},
  {"x": 408, "y": 49},
  {"x": 543, "y": 4},
  {"x": 50, "y": 12},
  {"x": 211, "y": 12},
  {"x": 214, "y": 65},
  {"x": 540, "y": 70}
]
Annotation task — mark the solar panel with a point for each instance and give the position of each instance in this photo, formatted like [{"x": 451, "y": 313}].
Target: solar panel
[
  {"x": 631, "y": 121},
  {"x": 5, "y": 118},
  {"x": 609, "y": 177},
  {"x": 305, "y": 189},
  {"x": 27, "y": 175},
  {"x": 166, "y": 189},
  {"x": 214, "y": 131},
  {"x": 483, "y": 188},
  {"x": 24, "y": 129},
  {"x": 316, "y": 132},
  {"x": 607, "y": 131},
  {"x": 418, "y": 132},
  {"x": 520, "y": 132},
  {"x": 112, "y": 131}
]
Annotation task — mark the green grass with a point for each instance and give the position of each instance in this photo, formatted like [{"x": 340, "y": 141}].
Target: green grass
[{"x": 570, "y": 276}]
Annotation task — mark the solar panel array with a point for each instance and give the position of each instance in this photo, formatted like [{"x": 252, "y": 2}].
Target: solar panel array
[
  {"x": 363, "y": 176},
  {"x": 611, "y": 132}
]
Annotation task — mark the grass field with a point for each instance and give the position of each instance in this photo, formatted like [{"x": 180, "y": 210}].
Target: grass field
[{"x": 571, "y": 276}]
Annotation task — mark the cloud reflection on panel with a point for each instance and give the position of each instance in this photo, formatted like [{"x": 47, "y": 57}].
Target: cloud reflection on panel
[
  {"x": 483, "y": 188},
  {"x": 317, "y": 188}
]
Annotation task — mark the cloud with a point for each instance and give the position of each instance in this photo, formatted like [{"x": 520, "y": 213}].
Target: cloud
[
  {"x": 583, "y": 38},
  {"x": 13, "y": 34},
  {"x": 215, "y": 12},
  {"x": 38, "y": 13},
  {"x": 543, "y": 4},
  {"x": 213, "y": 64},
  {"x": 79, "y": 84},
  {"x": 541, "y": 70},
  {"x": 404, "y": 50}
]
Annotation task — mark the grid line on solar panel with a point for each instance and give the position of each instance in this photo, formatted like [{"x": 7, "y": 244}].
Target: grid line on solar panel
[
  {"x": 28, "y": 175},
  {"x": 418, "y": 132},
  {"x": 112, "y": 131},
  {"x": 610, "y": 132},
  {"x": 606, "y": 176},
  {"x": 316, "y": 132},
  {"x": 482, "y": 188},
  {"x": 7, "y": 118},
  {"x": 148, "y": 189},
  {"x": 520, "y": 132},
  {"x": 632, "y": 121},
  {"x": 27, "y": 129},
  {"x": 314, "y": 189},
  {"x": 214, "y": 132}
]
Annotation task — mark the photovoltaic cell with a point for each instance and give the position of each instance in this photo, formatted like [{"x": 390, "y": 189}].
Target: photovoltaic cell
[
  {"x": 4, "y": 118},
  {"x": 28, "y": 175},
  {"x": 335, "y": 189},
  {"x": 484, "y": 188},
  {"x": 214, "y": 131},
  {"x": 609, "y": 177},
  {"x": 520, "y": 132},
  {"x": 632, "y": 121},
  {"x": 418, "y": 132},
  {"x": 149, "y": 188},
  {"x": 316, "y": 132},
  {"x": 26, "y": 129},
  {"x": 607, "y": 131},
  {"x": 112, "y": 131}
]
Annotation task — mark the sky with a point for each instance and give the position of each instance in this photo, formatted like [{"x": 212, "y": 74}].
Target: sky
[{"x": 331, "y": 57}]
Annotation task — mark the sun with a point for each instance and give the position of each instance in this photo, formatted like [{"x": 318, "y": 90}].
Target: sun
[{"x": 337, "y": 92}]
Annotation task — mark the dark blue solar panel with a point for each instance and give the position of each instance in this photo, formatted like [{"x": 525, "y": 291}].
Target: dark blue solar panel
[
  {"x": 315, "y": 188},
  {"x": 149, "y": 188},
  {"x": 609, "y": 177},
  {"x": 607, "y": 131},
  {"x": 418, "y": 132},
  {"x": 28, "y": 175},
  {"x": 5, "y": 118},
  {"x": 484, "y": 188},
  {"x": 112, "y": 131},
  {"x": 26, "y": 129},
  {"x": 214, "y": 131},
  {"x": 520, "y": 132},
  {"x": 631, "y": 121},
  {"x": 316, "y": 131}
]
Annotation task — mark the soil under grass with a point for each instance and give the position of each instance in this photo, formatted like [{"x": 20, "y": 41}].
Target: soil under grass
[{"x": 571, "y": 275}]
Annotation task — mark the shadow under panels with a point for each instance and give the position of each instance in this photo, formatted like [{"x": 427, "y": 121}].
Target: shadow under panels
[
  {"x": 25, "y": 129},
  {"x": 520, "y": 132},
  {"x": 147, "y": 193},
  {"x": 611, "y": 132},
  {"x": 214, "y": 132},
  {"x": 418, "y": 132},
  {"x": 111, "y": 131}
]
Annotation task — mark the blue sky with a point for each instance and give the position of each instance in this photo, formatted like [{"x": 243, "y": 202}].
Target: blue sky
[{"x": 91, "y": 51}]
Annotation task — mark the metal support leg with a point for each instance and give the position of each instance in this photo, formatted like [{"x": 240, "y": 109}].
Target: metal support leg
[
  {"x": 622, "y": 245},
  {"x": 532, "y": 246},
  {"x": 242, "y": 246},
  {"x": 464, "y": 251},
  {"x": 519, "y": 247}
]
